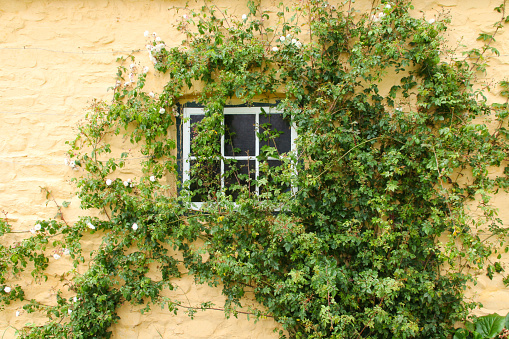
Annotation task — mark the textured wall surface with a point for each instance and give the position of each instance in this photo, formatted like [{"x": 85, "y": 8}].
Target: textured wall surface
[{"x": 56, "y": 56}]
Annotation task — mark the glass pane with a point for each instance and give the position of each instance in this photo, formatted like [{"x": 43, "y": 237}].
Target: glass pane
[
  {"x": 193, "y": 119},
  {"x": 274, "y": 163},
  {"x": 205, "y": 180},
  {"x": 272, "y": 173},
  {"x": 239, "y": 173},
  {"x": 239, "y": 135},
  {"x": 275, "y": 132}
]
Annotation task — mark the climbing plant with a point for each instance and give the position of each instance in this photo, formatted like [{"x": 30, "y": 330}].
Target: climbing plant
[{"x": 362, "y": 230}]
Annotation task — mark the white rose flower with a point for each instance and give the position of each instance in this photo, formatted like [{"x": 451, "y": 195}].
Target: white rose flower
[
  {"x": 162, "y": 110},
  {"x": 288, "y": 36},
  {"x": 90, "y": 226},
  {"x": 388, "y": 6},
  {"x": 72, "y": 163},
  {"x": 275, "y": 49},
  {"x": 298, "y": 44},
  {"x": 282, "y": 38},
  {"x": 126, "y": 183},
  {"x": 75, "y": 299},
  {"x": 7, "y": 289},
  {"x": 431, "y": 21},
  {"x": 146, "y": 34},
  {"x": 159, "y": 47},
  {"x": 56, "y": 256},
  {"x": 109, "y": 182},
  {"x": 154, "y": 34},
  {"x": 244, "y": 17},
  {"x": 158, "y": 39},
  {"x": 149, "y": 47},
  {"x": 37, "y": 227},
  {"x": 134, "y": 227},
  {"x": 375, "y": 18},
  {"x": 127, "y": 84},
  {"x": 145, "y": 70},
  {"x": 152, "y": 59},
  {"x": 67, "y": 251},
  {"x": 152, "y": 178},
  {"x": 69, "y": 312},
  {"x": 132, "y": 66},
  {"x": 381, "y": 15},
  {"x": 18, "y": 313},
  {"x": 294, "y": 41},
  {"x": 151, "y": 94},
  {"x": 184, "y": 16}
]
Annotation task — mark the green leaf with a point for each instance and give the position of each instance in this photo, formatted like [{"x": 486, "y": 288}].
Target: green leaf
[
  {"x": 470, "y": 326},
  {"x": 288, "y": 246},
  {"x": 490, "y": 325},
  {"x": 66, "y": 203},
  {"x": 461, "y": 333},
  {"x": 485, "y": 36},
  {"x": 392, "y": 185}
]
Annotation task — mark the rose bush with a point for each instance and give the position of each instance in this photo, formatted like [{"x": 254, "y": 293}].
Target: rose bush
[{"x": 345, "y": 237}]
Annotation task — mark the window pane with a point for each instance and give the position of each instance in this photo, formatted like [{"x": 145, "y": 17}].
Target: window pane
[
  {"x": 239, "y": 135},
  {"x": 275, "y": 132},
  {"x": 274, "y": 163},
  {"x": 193, "y": 120},
  {"x": 239, "y": 173},
  {"x": 205, "y": 180},
  {"x": 272, "y": 173}
]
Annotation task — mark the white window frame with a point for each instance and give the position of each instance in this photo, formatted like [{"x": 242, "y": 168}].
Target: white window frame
[{"x": 186, "y": 137}]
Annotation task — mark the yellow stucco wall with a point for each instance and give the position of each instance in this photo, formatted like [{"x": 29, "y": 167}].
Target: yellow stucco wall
[{"x": 55, "y": 57}]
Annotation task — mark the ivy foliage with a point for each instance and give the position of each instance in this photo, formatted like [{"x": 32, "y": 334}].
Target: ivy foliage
[{"x": 364, "y": 229}]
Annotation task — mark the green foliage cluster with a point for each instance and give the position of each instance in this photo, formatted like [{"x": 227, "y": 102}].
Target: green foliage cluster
[{"x": 394, "y": 143}]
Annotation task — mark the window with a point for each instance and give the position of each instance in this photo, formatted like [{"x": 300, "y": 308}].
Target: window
[{"x": 247, "y": 147}]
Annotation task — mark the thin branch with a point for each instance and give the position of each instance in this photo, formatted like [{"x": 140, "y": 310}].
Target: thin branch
[{"x": 52, "y": 198}]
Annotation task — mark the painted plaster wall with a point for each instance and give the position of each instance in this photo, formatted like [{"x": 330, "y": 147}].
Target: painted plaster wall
[{"x": 55, "y": 57}]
